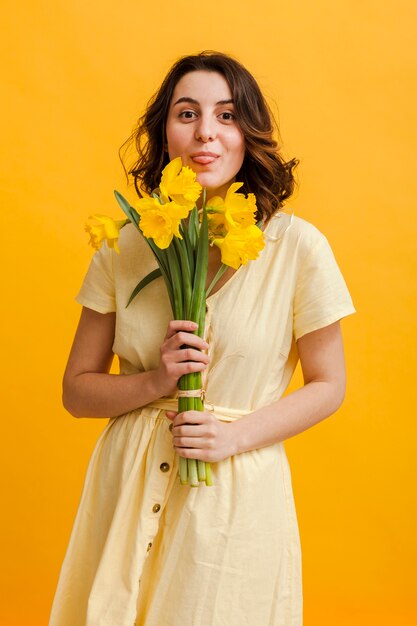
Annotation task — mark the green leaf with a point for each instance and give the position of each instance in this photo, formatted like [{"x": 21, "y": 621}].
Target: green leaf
[
  {"x": 193, "y": 227},
  {"x": 219, "y": 274},
  {"x": 190, "y": 251},
  {"x": 145, "y": 281},
  {"x": 128, "y": 210},
  {"x": 162, "y": 260},
  {"x": 160, "y": 255}
]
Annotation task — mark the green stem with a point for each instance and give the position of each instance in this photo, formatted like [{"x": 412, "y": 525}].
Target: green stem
[
  {"x": 183, "y": 470},
  {"x": 198, "y": 308},
  {"x": 176, "y": 282},
  {"x": 219, "y": 274},
  {"x": 209, "y": 478},
  {"x": 201, "y": 470},
  {"x": 192, "y": 470},
  {"x": 185, "y": 275},
  {"x": 199, "y": 286},
  {"x": 193, "y": 473},
  {"x": 183, "y": 467}
]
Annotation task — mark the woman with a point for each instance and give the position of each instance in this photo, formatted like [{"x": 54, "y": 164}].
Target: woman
[{"x": 146, "y": 549}]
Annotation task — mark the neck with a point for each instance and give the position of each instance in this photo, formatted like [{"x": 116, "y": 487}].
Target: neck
[{"x": 210, "y": 193}]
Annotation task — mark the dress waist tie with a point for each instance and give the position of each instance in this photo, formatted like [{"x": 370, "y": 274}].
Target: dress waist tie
[{"x": 221, "y": 413}]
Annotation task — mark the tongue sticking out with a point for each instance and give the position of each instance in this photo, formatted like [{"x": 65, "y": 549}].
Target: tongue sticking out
[{"x": 204, "y": 160}]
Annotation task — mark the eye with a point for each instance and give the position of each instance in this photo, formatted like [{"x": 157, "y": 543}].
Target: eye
[
  {"x": 187, "y": 115},
  {"x": 228, "y": 116}
]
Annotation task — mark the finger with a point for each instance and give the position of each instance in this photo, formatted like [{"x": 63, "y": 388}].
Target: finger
[
  {"x": 189, "y": 354},
  {"x": 177, "y": 325},
  {"x": 188, "y": 367},
  {"x": 189, "y": 430},
  {"x": 190, "y": 417},
  {"x": 193, "y": 453},
  {"x": 171, "y": 414},
  {"x": 187, "y": 442},
  {"x": 182, "y": 338}
]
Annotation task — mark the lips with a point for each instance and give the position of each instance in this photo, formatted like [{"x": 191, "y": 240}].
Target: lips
[{"x": 204, "y": 158}]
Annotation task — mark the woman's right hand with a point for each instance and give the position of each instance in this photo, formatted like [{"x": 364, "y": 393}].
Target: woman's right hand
[{"x": 176, "y": 361}]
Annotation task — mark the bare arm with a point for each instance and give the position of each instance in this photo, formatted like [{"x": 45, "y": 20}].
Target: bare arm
[
  {"x": 201, "y": 436},
  {"x": 323, "y": 364},
  {"x": 88, "y": 388}
]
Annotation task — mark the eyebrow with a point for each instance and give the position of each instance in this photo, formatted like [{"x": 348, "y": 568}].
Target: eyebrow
[{"x": 192, "y": 101}]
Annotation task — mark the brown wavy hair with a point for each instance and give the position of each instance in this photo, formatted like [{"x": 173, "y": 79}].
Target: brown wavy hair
[{"x": 264, "y": 172}]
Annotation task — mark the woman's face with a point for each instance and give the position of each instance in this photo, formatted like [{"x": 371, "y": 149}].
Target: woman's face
[{"x": 201, "y": 128}]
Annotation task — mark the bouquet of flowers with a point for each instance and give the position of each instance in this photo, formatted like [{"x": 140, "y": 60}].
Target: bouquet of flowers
[{"x": 179, "y": 235}]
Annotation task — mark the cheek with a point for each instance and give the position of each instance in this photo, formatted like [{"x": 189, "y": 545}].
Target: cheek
[
  {"x": 238, "y": 156},
  {"x": 175, "y": 140},
  {"x": 237, "y": 146},
  {"x": 172, "y": 145}
]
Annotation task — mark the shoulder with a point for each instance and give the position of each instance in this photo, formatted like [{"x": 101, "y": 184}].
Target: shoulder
[
  {"x": 135, "y": 258},
  {"x": 128, "y": 237},
  {"x": 132, "y": 244},
  {"x": 298, "y": 235}
]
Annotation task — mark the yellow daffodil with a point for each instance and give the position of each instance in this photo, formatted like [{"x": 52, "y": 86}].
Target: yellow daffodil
[
  {"x": 241, "y": 209},
  {"x": 216, "y": 217},
  {"x": 107, "y": 228},
  {"x": 240, "y": 245},
  {"x": 179, "y": 183},
  {"x": 160, "y": 222},
  {"x": 235, "y": 211}
]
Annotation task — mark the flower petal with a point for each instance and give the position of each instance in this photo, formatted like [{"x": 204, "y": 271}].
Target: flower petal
[
  {"x": 240, "y": 245},
  {"x": 156, "y": 224},
  {"x": 169, "y": 173},
  {"x": 180, "y": 184},
  {"x": 107, "y": 228}
]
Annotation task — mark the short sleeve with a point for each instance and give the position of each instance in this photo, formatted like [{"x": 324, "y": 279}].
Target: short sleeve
[
  {"x": 321, "y": 295},
  {"x": 97, "y": 290}
]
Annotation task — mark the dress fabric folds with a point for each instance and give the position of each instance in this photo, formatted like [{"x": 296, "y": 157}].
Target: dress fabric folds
[{"x": 147, "y": 550}]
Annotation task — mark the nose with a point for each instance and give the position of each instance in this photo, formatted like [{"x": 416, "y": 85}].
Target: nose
[{"x": 205, "y": 130}]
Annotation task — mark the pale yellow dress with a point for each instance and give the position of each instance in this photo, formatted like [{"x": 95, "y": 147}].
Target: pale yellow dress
[{"x": 149, "y": 551}]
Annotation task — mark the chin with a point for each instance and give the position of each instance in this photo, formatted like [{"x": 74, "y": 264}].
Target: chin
[{"x": 209, "y": 182}]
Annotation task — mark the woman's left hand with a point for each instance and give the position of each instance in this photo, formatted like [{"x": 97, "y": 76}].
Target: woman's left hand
[{"x": 199, "y": 435}]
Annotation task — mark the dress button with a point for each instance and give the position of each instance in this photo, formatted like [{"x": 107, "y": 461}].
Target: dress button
[
  {"x": 149, "y": 547},
  {"x": 164, "y": 467},
  {"x": 171, "y": 426},
  {"x": 156, "y": 508}
]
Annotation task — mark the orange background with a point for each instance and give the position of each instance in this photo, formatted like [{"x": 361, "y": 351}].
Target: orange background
[{"x": 76, "y": 75}]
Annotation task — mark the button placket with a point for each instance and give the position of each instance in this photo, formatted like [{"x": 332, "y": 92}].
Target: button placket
[{"x": 159, "y": 478}]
